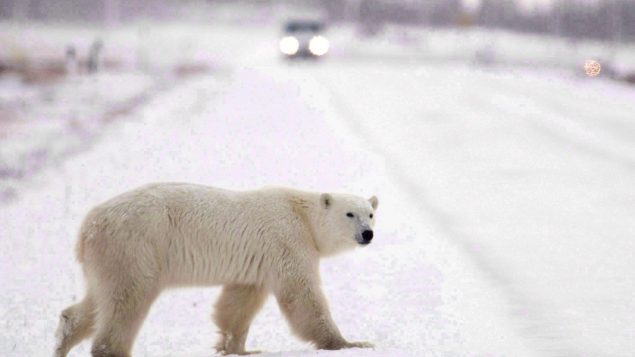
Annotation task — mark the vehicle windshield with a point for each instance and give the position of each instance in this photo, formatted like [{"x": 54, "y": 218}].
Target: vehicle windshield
[{"x": 303, "y": 27}]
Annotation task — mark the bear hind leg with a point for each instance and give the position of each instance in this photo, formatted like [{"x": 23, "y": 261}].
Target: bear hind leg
[
  {"x": 77, "y": 322},
  {"x": 119, "y": 318},
  {"x": 234, "y": 311}
]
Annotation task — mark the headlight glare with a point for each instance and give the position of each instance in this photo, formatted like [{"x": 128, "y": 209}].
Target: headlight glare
[
  {"x": 289, "y": 45},
  {"x": 319, "y": 45}
]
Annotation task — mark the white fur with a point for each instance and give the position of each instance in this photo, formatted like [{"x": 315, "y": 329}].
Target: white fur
[{"x": 166, "y": 235}]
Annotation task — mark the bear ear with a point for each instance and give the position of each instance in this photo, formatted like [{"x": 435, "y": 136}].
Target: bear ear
[
  {"x": 373, "y": 202},
  {"x": 326, "y": 200}
]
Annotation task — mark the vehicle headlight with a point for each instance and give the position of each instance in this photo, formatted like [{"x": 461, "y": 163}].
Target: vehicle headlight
[
  {"x": 289, "y": 45},
  {"x": 319, "y": 45}
]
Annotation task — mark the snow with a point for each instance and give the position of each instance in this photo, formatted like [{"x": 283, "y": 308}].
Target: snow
[
  {"x": 529, "y": 175},
  {"x": 484, "y": 46},
  {"x": 44, "y": 124},
  {"x": 504, "y": 225}
]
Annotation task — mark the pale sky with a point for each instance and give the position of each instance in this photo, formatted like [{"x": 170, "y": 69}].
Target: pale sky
[
  {"x": 531, "y": 5},
  {"x": 527, "y": 5}
]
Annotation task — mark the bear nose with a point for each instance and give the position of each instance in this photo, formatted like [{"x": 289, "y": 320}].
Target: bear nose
[{"x": 367, "y": 235}]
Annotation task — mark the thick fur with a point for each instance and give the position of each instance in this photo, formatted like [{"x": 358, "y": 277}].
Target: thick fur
[{"x": 254, "y": 242}]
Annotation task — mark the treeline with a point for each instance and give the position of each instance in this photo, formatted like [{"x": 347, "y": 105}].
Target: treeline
[
  {"x": 97, "y": 11},
  {"x": 606, "y": 20},
  {"x": 603, "y": 19}
]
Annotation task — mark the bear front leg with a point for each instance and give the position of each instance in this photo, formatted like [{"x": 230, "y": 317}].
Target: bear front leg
[
  {"x": 236, "y": 308},
  {"x": 305, "y": 307}
]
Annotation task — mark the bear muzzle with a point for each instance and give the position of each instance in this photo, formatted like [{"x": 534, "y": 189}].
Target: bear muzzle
[{"x": 367, "y": 236}]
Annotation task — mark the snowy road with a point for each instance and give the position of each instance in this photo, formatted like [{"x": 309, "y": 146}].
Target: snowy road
[
  {"x": 530, "y": 175},
  {"x": 504, "y": 226},
  {"x": 398, "y": 294}
]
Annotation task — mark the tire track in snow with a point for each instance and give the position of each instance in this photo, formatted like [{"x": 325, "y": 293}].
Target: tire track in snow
[{"x": 564, "y": 129}]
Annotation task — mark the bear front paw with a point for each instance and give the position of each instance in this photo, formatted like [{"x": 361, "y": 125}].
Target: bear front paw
[
  {"x": 341, "y": 344},
  {"x": 359, "y": 345}
]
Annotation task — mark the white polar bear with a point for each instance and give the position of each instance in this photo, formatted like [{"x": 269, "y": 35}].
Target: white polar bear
[{"x": 254, "y": 242}]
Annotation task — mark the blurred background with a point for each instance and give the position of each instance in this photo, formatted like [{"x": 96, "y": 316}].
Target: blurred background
[{"x": 499, "y": 136}]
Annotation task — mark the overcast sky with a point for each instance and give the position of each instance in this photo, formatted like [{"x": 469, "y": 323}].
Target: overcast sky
[{"x": 528, "y": 5}]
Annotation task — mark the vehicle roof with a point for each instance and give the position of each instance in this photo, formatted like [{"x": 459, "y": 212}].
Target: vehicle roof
[{"x": 304, "y": 25}]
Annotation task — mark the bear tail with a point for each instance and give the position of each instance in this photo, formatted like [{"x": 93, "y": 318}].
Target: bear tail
[
  {"x": 79, "y": 247},
  {"x": 86, "y": 231}
]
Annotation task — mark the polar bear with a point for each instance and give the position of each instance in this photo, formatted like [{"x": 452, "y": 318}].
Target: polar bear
[{"x": 253, "y": 242}]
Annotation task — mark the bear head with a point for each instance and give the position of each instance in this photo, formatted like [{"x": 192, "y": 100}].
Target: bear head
[{"x": 344, "y": 222}]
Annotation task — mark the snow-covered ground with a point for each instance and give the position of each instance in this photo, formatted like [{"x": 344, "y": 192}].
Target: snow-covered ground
[
  {"x": 43, "y": 124},
  {"x": 504, "y": 226},
  {"x": 484, "y": 47},
  {"x": 529, "y": 175}
]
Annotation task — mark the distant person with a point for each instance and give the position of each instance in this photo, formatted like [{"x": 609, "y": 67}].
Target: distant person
[
  {"x": 71, "y": 63},
  {"x": 94, "y": 55}
]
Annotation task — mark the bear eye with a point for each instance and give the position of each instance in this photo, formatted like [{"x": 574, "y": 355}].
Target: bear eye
[
  {"x": 350, "y": 215},
  {"x": 371, "y": 216}
]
